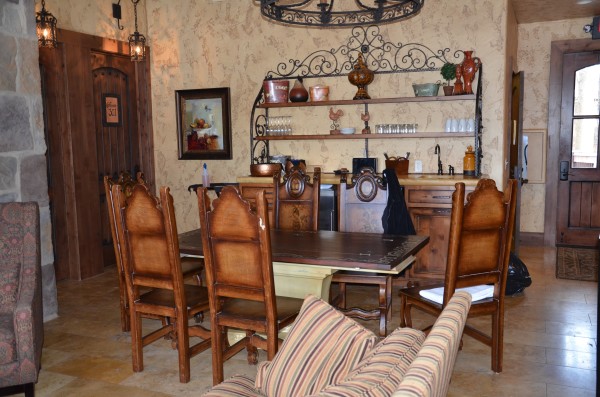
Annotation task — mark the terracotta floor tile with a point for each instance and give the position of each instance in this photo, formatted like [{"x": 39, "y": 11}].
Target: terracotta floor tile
[{"x": 550, "y": 343}]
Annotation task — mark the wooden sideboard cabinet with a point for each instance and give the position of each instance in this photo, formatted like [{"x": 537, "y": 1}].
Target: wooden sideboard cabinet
[
  {"x": 249, "y": 190},
  {"x": 430, "y": 208}
]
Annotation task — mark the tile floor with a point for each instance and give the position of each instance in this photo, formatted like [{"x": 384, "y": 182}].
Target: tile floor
[{"x": 550, "y": 344}]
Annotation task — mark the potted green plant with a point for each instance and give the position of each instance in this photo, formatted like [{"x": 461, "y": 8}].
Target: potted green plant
[{"x": 448, "y": 72}]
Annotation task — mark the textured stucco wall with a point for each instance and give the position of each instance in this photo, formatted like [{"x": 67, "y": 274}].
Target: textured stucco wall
[
  {"x": 534, "y": 59},
  {"x": 227, "y": 43},
  {"x": 204, "y": 44}
]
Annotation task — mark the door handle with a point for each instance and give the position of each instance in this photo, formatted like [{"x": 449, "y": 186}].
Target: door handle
[{"x": 564, "y": 170}]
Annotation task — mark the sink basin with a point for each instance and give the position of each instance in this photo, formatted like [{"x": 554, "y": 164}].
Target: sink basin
[
  {"x": 435, "y": 179},
  {"x": 436, "y": 176}
]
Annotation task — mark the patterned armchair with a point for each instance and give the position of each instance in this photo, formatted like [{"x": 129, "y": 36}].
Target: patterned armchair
[{"x": 21, "y": 318}]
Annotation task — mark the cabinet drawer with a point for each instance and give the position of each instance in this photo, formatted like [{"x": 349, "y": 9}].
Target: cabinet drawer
[
  {"x": 430, "y": 196},
  {"x": 433, "y": 196},
  {"x": 249, "y": 192}
]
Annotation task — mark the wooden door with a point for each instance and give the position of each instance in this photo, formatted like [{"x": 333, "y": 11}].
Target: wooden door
[
  {"x": 578, "y": 214},
  {"x": 117, "y": 133},
  {"x": 98, "y": 121}
]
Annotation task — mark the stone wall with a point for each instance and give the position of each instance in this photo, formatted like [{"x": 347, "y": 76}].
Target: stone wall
[{"x": 22, "y": 145}]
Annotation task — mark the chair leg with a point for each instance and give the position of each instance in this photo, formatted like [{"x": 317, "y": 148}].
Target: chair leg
[
  {"x": 497, "y": 342},
  {"x": 137, "y": 344},
  {"x": 183, "y": 350},
  {"x": 342, "y": 304},
  {"x": 405, "y": 319},
  {"x": 217, "y": 347},
  {"x": 385, "y": 303},
  {"x": 251, "y": 349},
  {"x": 125, "y": 323},
  {"x": 272, "y": 343}
]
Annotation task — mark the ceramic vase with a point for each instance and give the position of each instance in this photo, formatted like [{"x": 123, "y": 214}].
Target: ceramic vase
[
  {"x": 469, "y": 67},
  {"x": 298, "y": 93},
  {"x": 361, "y": 77}
]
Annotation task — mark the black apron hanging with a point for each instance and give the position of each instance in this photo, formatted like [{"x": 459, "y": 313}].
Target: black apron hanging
[{"x": 396, "y": 219}]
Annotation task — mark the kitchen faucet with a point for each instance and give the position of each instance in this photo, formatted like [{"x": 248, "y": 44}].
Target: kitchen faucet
[{"x": 438, "y": 151}]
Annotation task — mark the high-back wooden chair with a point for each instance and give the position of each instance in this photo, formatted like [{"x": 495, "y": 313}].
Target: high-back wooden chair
[
  {"x": 149, "y": 248},
  {"x": 479, "y": 248},
  {"x": 361, "y": 205},
  {"x": 296, "y": 201},
  {"x": 191, "y": 267},
  {"x": 236, "y": 243}
]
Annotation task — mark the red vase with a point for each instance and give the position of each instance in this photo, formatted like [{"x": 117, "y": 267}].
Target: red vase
[{"x": 469, "y": 67}]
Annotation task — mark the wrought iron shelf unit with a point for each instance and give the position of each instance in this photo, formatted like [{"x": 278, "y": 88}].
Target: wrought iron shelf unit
[
  {"x": 369, "y": 101},
  {"x": 381, "y": 57}
]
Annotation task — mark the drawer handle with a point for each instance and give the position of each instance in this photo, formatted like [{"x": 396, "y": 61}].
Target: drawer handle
[
  {"x": 442, "y": 197},
  {"x": 442, "y": 211}
]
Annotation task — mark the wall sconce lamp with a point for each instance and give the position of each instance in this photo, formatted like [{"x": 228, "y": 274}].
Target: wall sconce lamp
[
  {"x": 45, "y": 24},
  {"x": 137, "y": 41}
]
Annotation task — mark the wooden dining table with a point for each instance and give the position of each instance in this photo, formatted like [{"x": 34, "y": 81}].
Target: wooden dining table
[{"x": 303, "y": 261}]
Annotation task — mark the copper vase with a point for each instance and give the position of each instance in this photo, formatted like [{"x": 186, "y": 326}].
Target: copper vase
[
  {"x": 361, "y": 77},
  {"x": 469, "y": 67}
]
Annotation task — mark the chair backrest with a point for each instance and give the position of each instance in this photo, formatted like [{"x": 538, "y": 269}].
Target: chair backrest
[
  {"x": 236, "y": 243},
  {"x": 147, "y": 232},
  {"x": 480, "y": 237},
  {"x": 362, "y": 202},
  {"x": 296, "y": 201},
  {"x": 126, "y": 184}
]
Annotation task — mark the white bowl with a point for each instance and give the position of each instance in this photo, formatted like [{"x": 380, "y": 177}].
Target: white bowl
[{"x": 347, "y": 131}]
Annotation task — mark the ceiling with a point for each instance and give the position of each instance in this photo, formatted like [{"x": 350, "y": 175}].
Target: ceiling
[{"x": 528, "y": 11}]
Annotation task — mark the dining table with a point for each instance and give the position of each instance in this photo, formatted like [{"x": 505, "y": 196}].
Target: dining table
[{"x": 303, "y": 261}]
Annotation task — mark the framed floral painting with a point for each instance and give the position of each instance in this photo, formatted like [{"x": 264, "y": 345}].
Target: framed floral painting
[{"x": 203, "y": 123}]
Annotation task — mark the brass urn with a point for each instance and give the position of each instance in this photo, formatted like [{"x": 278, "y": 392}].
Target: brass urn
[{"x": 361, "y": 77}]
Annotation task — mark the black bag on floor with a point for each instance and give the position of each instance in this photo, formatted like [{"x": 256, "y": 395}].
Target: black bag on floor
[{"x": 518, "y": 277}]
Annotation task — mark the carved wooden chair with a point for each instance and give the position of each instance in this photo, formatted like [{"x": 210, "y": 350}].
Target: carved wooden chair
[
  {"x": 147, "y": 236},
  {"x": 191, "y": 267},
  {"x": 239, "y": 275},
  {"x": 361, "y": 205},
  {"x": 478, "y": 253},
  {"x": 296, "y": 200}
]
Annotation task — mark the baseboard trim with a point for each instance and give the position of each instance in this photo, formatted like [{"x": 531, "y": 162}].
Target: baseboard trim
[{"x": 531, "y": 239}]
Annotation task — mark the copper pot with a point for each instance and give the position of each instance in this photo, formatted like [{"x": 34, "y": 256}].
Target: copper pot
[{"x": 265, "y": 169}]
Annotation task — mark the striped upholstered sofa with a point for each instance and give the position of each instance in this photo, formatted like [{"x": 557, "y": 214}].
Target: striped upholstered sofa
[{"x": 329, "y": 355}]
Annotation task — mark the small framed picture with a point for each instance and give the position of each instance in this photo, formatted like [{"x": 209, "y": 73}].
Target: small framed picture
[
  {"x": 203, "y": 124},
  {"x": 111, "y": 110}
]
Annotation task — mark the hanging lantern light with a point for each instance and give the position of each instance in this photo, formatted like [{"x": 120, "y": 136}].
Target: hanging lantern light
[
  {"x": 45, "y": 24},
  {"x": 137, "y": 41}
]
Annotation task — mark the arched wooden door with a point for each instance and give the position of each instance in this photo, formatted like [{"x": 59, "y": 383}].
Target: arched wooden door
[
  {"x": 98, "y": 121},
  {"x": 117, "y": 133}
]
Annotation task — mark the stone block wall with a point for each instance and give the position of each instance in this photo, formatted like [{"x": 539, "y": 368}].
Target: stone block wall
[{"x": 23, "y": 174}]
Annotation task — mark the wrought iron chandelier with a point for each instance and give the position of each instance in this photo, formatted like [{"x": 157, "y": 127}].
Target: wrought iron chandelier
[
  {"x": 45, "y": 24},
  {"x": 328, "y": 13},
  {"x": 137, "y": 41}
]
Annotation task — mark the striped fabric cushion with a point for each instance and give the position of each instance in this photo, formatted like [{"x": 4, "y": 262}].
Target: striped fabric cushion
[
  {"x": 238, "y": 386},
  {"x": 429, "y": 375},
  {"x": 322, "y": 347},
  {"x": 381, "y": 371}
]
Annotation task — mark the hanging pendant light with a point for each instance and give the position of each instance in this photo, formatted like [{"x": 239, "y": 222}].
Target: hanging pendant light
[
  {"x": 329, "y": 14},
  {"x": 137, "y": 41},
  {"x": 45, "y": 24}
]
